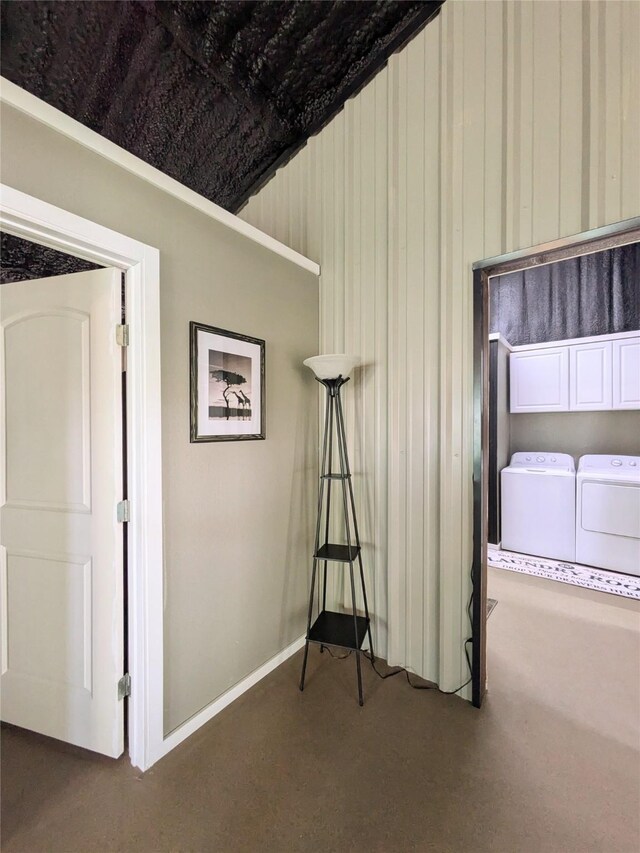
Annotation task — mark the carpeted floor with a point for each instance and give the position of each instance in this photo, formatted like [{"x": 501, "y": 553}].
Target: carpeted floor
[{"x": 411, "y": 771}]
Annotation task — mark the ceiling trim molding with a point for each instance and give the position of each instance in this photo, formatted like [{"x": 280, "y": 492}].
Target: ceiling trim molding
[{"x": 44, "y": 113}]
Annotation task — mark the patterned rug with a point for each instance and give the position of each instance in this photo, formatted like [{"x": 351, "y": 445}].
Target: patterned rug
[{"x": 573, "y": 573}]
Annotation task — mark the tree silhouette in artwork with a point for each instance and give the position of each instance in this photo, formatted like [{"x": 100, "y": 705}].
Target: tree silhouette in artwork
[{"x": 230, "y": 379}]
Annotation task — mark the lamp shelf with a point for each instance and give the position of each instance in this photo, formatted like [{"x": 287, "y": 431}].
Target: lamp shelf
[
  {"x": 338, "y": 629},
  {"x": 338, "y": 553}
]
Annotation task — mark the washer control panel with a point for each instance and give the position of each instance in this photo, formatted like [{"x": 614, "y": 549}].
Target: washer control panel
[{"x": 533, "y": 461}]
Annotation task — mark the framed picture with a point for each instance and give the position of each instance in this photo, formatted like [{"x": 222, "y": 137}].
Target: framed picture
[{"x": 227, "y": 385}]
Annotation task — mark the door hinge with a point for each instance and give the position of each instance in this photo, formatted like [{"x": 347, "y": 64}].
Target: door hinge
[
  {"x": 122, "y": 335},
  {"x": 123, "y": 510},
  {"x": 124, "y": 686}
]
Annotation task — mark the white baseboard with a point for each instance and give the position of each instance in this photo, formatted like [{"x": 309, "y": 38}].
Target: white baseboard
[{"x": 194, "y": 723}]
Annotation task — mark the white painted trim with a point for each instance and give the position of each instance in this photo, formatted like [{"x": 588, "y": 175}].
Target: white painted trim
[
  {"x": 39, "y": 110},
  {"x": 496, "y": 336},
  {"x": 573, "y": 240},
  {"x": 43, "y": 223},
  {"x": 594, "y": 339},
  {"x": 194, "y": 723}
]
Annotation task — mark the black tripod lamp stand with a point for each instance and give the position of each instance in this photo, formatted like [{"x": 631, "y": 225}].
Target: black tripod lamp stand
[{"x": 345, "y": 630}]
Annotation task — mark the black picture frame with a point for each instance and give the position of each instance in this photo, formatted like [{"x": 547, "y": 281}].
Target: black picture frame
[{"x": 220, "y": 408}]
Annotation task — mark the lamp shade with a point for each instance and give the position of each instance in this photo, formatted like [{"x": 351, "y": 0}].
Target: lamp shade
[{"x": 332, "y": 366}]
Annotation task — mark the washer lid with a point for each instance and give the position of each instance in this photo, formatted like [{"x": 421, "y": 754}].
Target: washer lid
[
  {"x": 627, "y": 467},
  {"x": 555, "y": 462}
]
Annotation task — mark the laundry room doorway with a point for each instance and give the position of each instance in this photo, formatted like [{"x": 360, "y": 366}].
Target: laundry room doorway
[{"x": 556, "y": 367}]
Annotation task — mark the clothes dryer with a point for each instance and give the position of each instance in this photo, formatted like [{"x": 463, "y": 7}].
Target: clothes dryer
[
  {"x": 539, "y": 505},
  {"x": 608, "y": 513}
]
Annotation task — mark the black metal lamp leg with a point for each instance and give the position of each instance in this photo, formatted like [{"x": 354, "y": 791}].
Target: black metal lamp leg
[
  {"x": 373, "y": 656},
  {"x": 355, "y": 629},
  {"x": 306, "y": 645},
  {"x": 344, "y": 472},
  {"x": 304, "y": 664}
]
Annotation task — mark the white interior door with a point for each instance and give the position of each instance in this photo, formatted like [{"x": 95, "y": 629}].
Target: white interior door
[{"x": 62, "y": 637}]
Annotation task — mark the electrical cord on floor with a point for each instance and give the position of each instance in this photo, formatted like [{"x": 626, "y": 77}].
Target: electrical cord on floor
[
  {"x": 400, "y": 669},
  {"x": 337, "y": 657},
  {"x": 429, "y": 685}
]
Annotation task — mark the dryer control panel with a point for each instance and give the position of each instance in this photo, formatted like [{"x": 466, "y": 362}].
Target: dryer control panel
[{"x": 606, "y": 463}]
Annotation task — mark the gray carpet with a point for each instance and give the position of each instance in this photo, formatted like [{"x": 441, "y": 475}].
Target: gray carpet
[{"x": 283, "y": 771}]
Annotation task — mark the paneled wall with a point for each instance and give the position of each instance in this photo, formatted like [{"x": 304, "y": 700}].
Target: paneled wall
[{"x": 502, "y": 125}]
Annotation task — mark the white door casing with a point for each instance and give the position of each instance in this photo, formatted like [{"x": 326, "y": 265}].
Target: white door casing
[
  {"x": 45, "y": 224},
  {"x": 62, "y": 560}
]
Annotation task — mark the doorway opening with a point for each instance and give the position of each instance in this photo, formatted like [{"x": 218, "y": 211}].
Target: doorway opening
[
  {"x": 555, "y": 375},
  {"x": 31, "y": 219}
]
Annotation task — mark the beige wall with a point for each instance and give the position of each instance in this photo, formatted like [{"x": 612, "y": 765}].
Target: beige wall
[
  {"x": 500, "y": 126},
  {"x": 577, "y": 433},
  {"x": 237, "y": 516}
]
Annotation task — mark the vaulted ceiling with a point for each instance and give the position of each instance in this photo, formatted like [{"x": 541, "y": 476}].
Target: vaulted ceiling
[{"x": 215, "y": 94}]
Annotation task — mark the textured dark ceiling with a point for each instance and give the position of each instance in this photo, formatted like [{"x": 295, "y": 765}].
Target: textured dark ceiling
[
  {"x": 22, "y": 260},
  {"x": 215, "y": 94}
]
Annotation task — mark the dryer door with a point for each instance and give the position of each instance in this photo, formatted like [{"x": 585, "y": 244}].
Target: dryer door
[
  {"x": 611, "y": 508},
  {"x": 608, "y": 532}
]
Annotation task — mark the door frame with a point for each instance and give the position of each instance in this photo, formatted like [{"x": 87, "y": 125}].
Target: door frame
[
  {"x": 586, "y": 243},
  {"x": 43, "y": 223}
]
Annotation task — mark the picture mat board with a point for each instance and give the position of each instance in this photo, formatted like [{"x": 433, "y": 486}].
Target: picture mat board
[{"x": 216, "y": 427}]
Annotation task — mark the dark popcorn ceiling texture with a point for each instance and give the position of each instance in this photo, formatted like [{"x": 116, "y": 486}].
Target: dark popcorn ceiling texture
[
  {"x": 215, "y": 94},
  {"x": 22, "y": 260}
]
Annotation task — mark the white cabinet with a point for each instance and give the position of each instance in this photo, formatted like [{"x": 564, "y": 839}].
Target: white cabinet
[
  {"x": 593, "y": 374},
  {"x": 626, "y": 373},
  {"x": 540, "y": 380},
  {"x": 590, "y": 377}
]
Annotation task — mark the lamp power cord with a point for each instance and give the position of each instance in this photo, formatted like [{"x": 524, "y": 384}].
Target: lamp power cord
[{"x": 400, "y": 669}]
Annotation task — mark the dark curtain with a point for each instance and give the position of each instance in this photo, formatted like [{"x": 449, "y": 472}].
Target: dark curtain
[{"x": 595, "y": 294}]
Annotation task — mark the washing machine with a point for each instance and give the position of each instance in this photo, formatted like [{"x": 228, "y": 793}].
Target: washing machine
[
  {"x": 538, "y": 497},
  {"x": 608, "y": 513}
]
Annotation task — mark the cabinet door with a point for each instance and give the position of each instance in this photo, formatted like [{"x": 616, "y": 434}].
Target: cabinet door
[
  {"x": 540, "y": 380},
  {"x": 626, "y": 373},
  {"x": 590, "y": 376}
]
